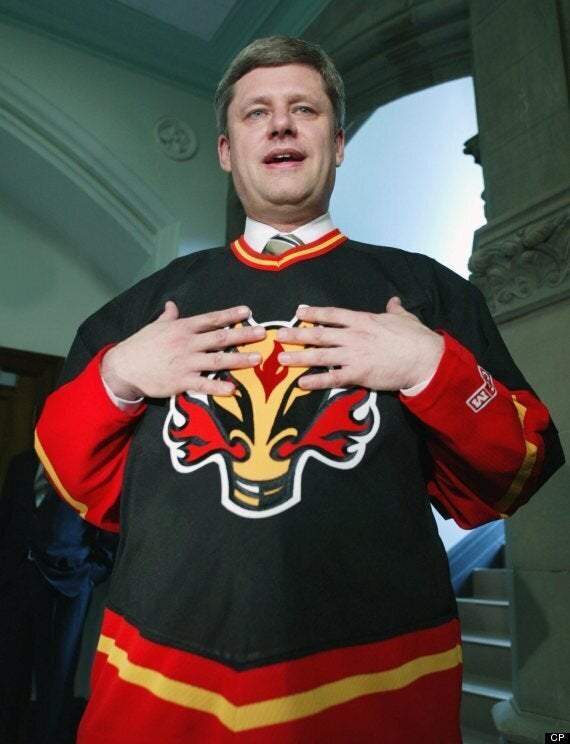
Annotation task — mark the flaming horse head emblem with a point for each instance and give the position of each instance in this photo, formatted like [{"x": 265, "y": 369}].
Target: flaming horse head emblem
[{"x": 261, "y": 437}]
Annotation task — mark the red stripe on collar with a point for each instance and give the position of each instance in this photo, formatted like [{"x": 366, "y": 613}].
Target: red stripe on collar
[{"x": 267, "y": 262}]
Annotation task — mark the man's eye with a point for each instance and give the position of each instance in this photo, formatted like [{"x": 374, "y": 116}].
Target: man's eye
[
  {"x": 257, "y": 114},
  {"x": 304, "y": 110}
]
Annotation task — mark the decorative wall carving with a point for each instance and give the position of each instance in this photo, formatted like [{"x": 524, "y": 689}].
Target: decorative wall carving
[
  {"x": 175, "y": 138},
  {"x": 528, "y": 267}
]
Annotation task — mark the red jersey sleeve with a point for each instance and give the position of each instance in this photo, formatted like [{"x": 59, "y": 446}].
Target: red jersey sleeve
[
  {"x": 486, "y": 442},
  {"x": 85, "y": 461}
]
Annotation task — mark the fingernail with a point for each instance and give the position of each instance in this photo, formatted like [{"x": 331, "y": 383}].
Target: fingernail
[
  {"x": 282, "y": 334},
  {"x": 254, "y": 358},
  {"x": 258, "y": 331},
  {"x": 301, "y": 311},
  {"x": 284, "y": 358}
]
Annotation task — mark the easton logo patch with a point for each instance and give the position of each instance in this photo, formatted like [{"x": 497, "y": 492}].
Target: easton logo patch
[
  {"x": 262, "y": 437},
  {"x": 484, "y": 394}
]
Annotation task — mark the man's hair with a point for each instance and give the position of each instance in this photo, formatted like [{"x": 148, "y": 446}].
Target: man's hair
[{"x": 276, "y": 51}]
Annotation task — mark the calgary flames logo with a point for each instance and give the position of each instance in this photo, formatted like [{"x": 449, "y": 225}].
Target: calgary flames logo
[{"x": 262, "y": 437}]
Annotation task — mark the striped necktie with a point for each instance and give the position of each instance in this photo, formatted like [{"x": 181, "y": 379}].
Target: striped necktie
[{"x": 278, "y": 244}]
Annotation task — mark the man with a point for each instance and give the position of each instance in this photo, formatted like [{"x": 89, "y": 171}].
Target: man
[
  {"x": 50, "y": 559},
  {"x": 280, "y": 577}
]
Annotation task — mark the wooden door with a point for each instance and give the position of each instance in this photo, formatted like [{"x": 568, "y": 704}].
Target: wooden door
[{"x": 26, "y": 379}]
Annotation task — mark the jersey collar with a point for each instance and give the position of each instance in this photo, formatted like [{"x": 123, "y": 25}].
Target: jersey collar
[{"x": 266, "y": 262}]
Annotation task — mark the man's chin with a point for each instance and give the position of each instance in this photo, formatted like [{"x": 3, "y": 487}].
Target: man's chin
[{"x": 294, "y": 201}]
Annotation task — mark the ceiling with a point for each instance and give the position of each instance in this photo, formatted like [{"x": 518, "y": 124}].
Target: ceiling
[
  {"x": 185, "y": 42},
  {"x": 198, "y": 18}
]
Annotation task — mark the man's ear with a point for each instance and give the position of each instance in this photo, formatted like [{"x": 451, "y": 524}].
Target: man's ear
[
  {"x": 224, "y": 153},
  {"x": 339, "y": 146}
]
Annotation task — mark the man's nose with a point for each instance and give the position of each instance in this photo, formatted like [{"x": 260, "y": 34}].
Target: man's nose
[{"x": 282, "y": 123}]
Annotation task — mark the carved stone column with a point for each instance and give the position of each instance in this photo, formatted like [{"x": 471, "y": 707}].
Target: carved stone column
[
  {"x": 526, "y": 269},
  {"x": 521, "y": 263}
]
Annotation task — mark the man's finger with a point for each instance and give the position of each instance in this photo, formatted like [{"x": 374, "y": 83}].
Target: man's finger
[
  {"x": 222, "y": 360},
  {"x": 312, "y": 358},
  {"x": 329, "y": 380},
  {"x": 170, "y": 311},
  {"x": 395, "y": 307},
  {"x": 312, "y": 336},
  {"x": 222, "y": 338},
  {"x": 219, "y": 318},
  {"x": 329, "y": 316},
  {"x": 209, "y": 386}
]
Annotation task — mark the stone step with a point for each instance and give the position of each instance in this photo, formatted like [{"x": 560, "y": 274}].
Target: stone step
[
  {"x": 487, "y": 656},
  {"x": 491, "y": 582},
  {"x": 479, "y": 697},
  {"x": 484, "y": 615}
]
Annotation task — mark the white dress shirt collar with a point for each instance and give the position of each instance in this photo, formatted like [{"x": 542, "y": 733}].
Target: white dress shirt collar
[{"x": 257, "y": 234}]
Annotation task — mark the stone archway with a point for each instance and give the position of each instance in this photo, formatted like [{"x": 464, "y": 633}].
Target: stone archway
[{"x": 70, "y": 181}]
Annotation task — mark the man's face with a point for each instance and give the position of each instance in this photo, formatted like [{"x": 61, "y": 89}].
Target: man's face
[{"x": 282, "y": 148}]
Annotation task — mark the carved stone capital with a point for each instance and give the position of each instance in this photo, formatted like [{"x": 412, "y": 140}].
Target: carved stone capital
[{"x": 526, "y": 270}]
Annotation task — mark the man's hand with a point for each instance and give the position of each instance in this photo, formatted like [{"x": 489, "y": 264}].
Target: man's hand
[
  {"x": 168, "y": 356},
  {"x": 384, "y": 351}
]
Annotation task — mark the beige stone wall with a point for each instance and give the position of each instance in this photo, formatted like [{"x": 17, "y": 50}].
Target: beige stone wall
[{"x": 539, "y": 548}]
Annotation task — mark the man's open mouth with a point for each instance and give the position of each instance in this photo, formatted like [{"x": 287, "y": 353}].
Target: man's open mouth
[{"x": 283, "y": 156}]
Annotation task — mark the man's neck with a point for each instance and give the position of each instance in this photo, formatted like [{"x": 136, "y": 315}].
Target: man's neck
[
  {"x": 288, "y": 217},
  {"x": 258, "y": 233}
]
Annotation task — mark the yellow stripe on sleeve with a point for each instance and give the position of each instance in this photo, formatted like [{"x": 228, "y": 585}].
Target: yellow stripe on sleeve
[
  {"x": 525, "y": 470},
  {"x": 77, "y": 505}
]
